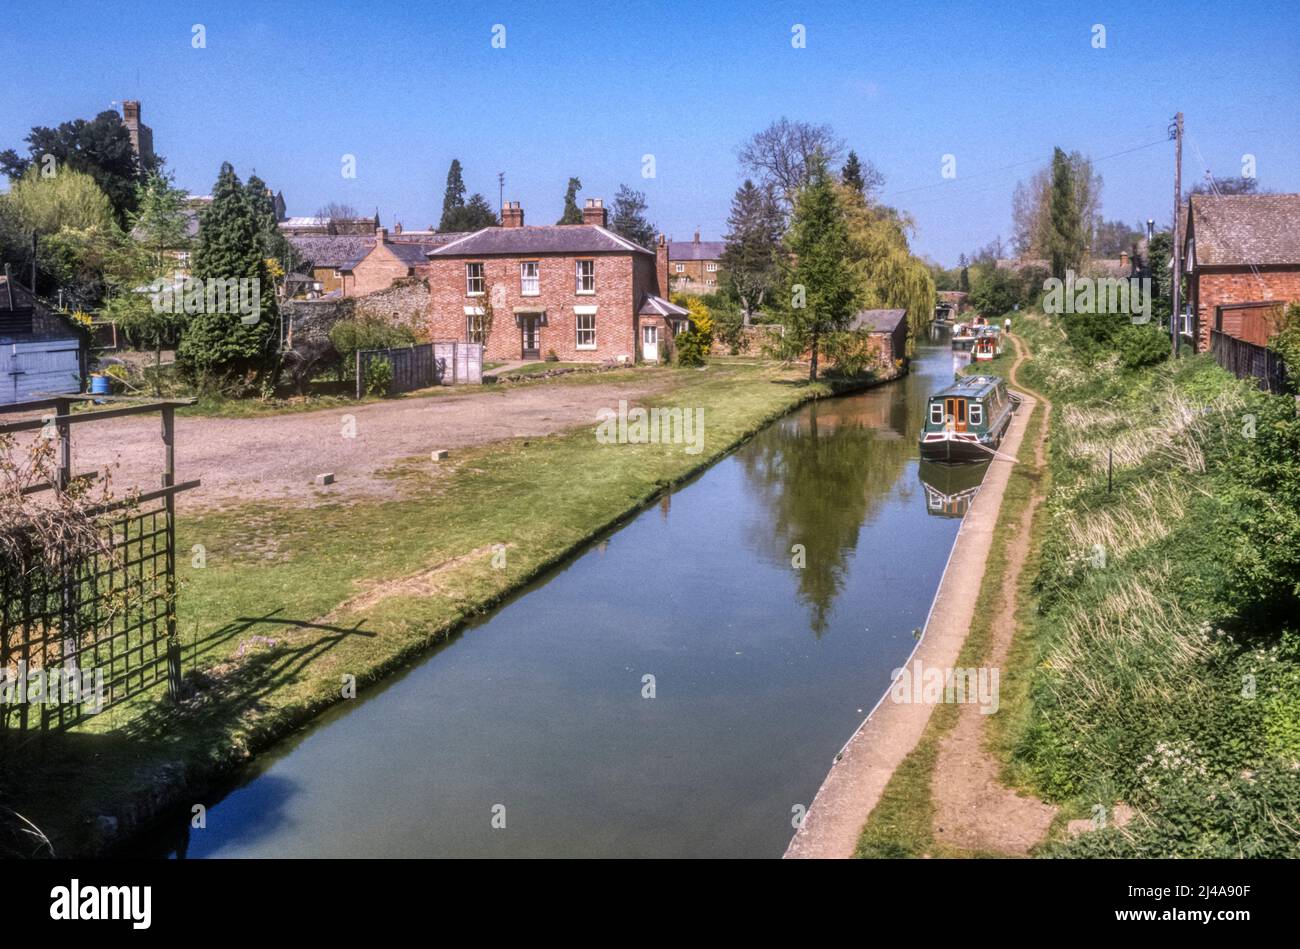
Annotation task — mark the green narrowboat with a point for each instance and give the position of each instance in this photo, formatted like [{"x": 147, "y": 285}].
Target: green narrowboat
[{"x": 966, "y": 421}]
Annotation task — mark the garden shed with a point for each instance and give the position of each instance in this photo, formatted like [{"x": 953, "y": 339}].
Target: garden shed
[{"x": 40, "y": 351}]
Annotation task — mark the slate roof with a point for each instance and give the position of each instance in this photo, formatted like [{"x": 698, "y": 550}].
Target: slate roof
[
  {"x": 878, "y": 321},
  {"x": 1242, "y": 229},
  {"x": 341, "y": 251},
  {"x": 411, "y": 253},
  {"x": 695, "y": 250},
  {"x": 539, "y": 239}
]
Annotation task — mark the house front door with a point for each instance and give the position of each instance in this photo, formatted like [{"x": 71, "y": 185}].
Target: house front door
[
  {"x": 650, "y": 343},
  {"x": 531, "y": 338}
]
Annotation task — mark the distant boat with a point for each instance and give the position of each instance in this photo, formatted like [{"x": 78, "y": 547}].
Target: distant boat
[
  {"x": 966, "y": 421},
  {"x": 963, "y": 335},
  {"x": 987, "y": 344}
]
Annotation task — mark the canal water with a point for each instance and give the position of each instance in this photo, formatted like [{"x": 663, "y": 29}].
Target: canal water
[{"x": 678, "y": 689}]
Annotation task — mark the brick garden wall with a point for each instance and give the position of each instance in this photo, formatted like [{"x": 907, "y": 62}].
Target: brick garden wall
[{"x": 1240, "y": 285}]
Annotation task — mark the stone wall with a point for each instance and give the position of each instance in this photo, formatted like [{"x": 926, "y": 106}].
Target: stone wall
[{"x": 405, "y": 303}]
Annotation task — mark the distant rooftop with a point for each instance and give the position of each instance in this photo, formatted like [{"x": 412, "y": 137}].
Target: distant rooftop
[{"x": 878, "y": 321}]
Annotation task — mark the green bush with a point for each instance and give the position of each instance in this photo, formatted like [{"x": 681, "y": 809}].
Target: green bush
[
  {"x": 351, "y": 336},
  {"x": 379, "y": 376}
]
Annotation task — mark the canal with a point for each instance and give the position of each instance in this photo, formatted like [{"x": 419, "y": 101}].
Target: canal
[{"x": 678, "y": 689}]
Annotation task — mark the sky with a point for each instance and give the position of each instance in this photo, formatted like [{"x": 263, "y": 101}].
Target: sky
[{"x": 590, "y": 89}]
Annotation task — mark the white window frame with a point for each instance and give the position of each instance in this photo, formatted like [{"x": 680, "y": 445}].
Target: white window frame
[
  {"x": 936, "y": 413},
  {"x": 584, "y": 315},
  {"x": 474, "y": 330},
  {"x": 711, "y": 268},
  {"x": 470, "y": 279},
  {"x": 530, "y": 286},
  {"x": 975, "y": 414},
  {"x": 681, "y": 268},
  {"x": 584, "y": 284}
]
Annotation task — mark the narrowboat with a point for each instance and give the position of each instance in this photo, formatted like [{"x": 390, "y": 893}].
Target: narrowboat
[
  {"x": 963, "y": 335},
  {"x": 987, "y": 344},
  {"x": 966, "y": 421}
]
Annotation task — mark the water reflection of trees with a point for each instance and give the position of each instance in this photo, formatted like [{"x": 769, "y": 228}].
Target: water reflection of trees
[{"x": 819, "y": 476}]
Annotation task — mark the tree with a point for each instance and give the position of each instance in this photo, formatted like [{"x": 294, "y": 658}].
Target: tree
[
  {"x": 1031, "y": 205},
  {"x": 572, "y": 213},
  {"x": 783, "y": 155},
  {"x": 629, "y": 217},
  {"x": 1112, "y": 238},
  {"x": 274, "y": 245},
  {"x": 475, "y": 215},
  {"x": 1211, "y": 185},
  {"x": 334, "y": 213},
  {"x": 218, "y": 345},
  {"x": 753, "y": 244},
  {"x": 889, "y": 275},
  {"x": 68, "y": 199},
  {"x": 100, "y": 148},
  {"x": 822, "y": 293},
  {"x": 864, "y": 179},
  {"x": 996, "y": 293},
  {"x": 453, "y": 198},
  {"x": 159, "y": 223},
  {"x": 1066, "y": 241}
]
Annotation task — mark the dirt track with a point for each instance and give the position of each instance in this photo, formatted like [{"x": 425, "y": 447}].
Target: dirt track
[{"x": 279, "y": 456}]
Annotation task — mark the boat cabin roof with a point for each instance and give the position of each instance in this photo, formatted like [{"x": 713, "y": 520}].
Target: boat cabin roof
[{"x": 970, "y": 387}]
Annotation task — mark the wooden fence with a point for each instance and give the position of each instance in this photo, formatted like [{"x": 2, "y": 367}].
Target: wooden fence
[
  {"x": 413, "y": 367},
  {"x": 1248, "y": 361},
  {"x": 459, "y": 363}
]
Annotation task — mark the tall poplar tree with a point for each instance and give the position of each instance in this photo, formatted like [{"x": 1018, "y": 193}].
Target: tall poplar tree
[{"x": 572, "y": 213}]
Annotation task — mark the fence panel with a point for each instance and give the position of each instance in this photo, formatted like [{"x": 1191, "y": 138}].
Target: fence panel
[
  {"x": 458, "y": 363},
  {"x": 414, "y": 367},
  {"x": 1248, "y": 361}
]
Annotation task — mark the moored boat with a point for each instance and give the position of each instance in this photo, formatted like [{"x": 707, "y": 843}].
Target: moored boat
[
  {"x": 966, "y": 421},
  {"x": 963, "y": 335},
  {"x": 987, "y": 344}
]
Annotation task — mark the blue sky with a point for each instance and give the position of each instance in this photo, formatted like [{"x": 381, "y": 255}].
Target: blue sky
[{"x": 587, "y": 89}]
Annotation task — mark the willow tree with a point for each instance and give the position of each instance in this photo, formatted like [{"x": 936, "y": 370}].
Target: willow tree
[{"x": 892, "y": 277}]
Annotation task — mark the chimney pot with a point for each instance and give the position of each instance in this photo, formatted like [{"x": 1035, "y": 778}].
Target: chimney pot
[
  {"x": 381, "y": 235},
  {"x": 594, "y": 212},
  {"x": 512, "y": 215}
]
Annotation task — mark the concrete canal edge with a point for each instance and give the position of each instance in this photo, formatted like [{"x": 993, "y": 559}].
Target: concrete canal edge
[{"x": 858, "y": 776}]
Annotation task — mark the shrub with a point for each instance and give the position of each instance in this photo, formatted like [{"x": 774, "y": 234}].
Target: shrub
[
  {"x": 351, "y": 336},
  {"x": 379, "y": 377}
]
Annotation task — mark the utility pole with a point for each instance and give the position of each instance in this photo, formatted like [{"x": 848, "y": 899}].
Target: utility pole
[
  {"x": 501, "y": 192},
  {"x": 1176, "y": 289}
]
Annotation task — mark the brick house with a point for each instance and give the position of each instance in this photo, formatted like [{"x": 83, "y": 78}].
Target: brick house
[
  {"x": 695, "y": 266},
  {"x": 579, "y": 291},
  {"x": 1242, "y": 252},
  {"x": 394, "y": 258}
]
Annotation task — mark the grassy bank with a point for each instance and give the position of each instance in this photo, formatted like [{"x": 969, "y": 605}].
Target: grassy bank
[
  {"x": 291, "y": 602},
  {"x": 1156, "y": 673}
]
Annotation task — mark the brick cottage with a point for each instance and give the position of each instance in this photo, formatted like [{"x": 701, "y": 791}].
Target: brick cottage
[
  {"x": 1243, "y": 254},
  {"x": 579, "y": 291}
]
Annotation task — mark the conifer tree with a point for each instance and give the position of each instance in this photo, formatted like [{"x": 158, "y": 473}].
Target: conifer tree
[{"x": 572, "y": 213}]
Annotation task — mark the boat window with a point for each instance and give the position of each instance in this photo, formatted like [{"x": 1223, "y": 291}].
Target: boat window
[
  {"x": 976, "y": 414},
  {"x": 936, "y": 413}
]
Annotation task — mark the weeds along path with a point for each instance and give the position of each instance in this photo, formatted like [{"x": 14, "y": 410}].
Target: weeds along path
[{"x": 973, "y": 810}]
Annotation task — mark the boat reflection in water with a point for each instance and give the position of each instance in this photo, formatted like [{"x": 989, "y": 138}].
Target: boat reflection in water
[{"x": 950, "y": 489}]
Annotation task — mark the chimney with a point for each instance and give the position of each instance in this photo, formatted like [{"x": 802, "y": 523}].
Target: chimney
[
  {"x": 697, "y": 235},
  {"x": 131, "y": 111},
  {"x": 381, "y": 235},
  {"x": 512, "y": 215},
  {"x": 397, "y": 228},
  {"x": 594, "y": 212},
  {"x": 661, "y": 266}
]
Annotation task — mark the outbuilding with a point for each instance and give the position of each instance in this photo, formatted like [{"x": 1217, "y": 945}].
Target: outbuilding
[{"x": 40, "y": 350}]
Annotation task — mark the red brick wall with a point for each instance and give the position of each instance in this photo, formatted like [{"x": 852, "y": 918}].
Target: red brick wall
[
  {"x": 1217, "y": 286},
  {"x": 619, "y": 285}
]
